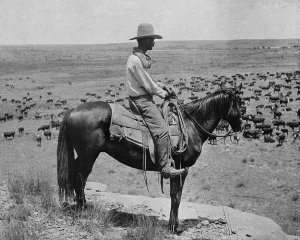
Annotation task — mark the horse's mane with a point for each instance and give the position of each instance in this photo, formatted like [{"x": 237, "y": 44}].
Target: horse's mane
[{"x": 205, "y": 106}]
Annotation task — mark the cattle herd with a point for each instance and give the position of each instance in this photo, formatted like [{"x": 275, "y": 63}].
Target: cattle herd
[{"x": 270, "y": 105}]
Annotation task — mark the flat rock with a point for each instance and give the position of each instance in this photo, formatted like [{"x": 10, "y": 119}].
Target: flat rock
[{"x": 245, "y": 225}]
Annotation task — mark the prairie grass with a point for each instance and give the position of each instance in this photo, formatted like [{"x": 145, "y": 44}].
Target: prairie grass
[
  {"x": 31, "y": 191},
  {"x": 34, "y": 196},
  {"x": 19, "y": 230},
  {"x": 32, "y": 183},
  {"x": 145, "y": 228},
  {"x": 93, "y": 219}
]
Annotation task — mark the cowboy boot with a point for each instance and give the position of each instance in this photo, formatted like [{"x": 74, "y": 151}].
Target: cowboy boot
[{"x": 164, "y": 161}]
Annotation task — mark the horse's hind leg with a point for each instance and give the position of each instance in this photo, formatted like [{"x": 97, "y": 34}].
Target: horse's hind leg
[{"x": 82, "y": 169}]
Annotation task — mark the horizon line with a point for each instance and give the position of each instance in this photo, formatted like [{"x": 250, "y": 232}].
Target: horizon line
[{"x": 194, "y": 40}]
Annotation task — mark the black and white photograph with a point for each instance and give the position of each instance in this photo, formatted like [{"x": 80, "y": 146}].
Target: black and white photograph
[{"x": 150, "y": 120}]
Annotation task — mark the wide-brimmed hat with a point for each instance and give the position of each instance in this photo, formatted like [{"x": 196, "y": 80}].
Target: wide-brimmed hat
[{"x": 146, "y": 30}]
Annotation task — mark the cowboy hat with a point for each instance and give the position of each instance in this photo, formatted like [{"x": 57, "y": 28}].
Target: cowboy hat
[{"x": 146, "y": 30}]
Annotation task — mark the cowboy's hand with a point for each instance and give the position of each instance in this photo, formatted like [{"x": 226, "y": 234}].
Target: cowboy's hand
[
  {"x": 170, "y": 91},
  {"x": 168, "y": 95}
]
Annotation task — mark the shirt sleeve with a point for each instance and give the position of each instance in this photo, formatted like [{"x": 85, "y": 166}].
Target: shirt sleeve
[{"x": 145, "y": 80}]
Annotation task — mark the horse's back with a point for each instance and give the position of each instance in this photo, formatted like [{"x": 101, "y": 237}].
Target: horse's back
[{"x": 92, "y": 111}]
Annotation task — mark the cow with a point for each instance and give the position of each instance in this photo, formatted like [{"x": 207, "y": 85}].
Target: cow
[
  {"x": 278, "y": 123},
  {"x": 296, "y": 135},
  {"x": 212, "y": 140},
  {"x": 44, "y": 127},
  {"x": 236, "y": 139},
  {"x": 21, "y": 130},
  {"x": 223, "y": 125},
  {"x": 293, "y": 124},
  {"x": 2, "y": 119},
  {"x": 251, "y": 133},
  {"x": 247, "y": 126},
  {"x": 281, "y": 139},
  {"x": 277, "y": 115},
  {"x": 9, "y": 135},
  {"x": 273, "y": 98},
  {"x": 285, "y": 130},
  {"x": 269, "y": 139},
  {"x": 55, "y": 124},
  {"x": 39, "y": 140},
  {"x": 47, "y": 134},
  {"x": 247, "y": 117},
  {"x": 284, "y": 101},
  {"x": 258, "y": 120},
  {"x": 258, "y": 112},
  {"x": 10, "y": 117},
  {"x": 267, "y": 131}
]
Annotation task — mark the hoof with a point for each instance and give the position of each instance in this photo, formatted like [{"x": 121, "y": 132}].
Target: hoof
[
  {"x": 173, "y": 228},
  {"x": 180, "y": 230},
  {"x": 177, "y": 229}
]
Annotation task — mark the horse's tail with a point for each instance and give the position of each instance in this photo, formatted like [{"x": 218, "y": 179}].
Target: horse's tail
[{"x": 65, "y": 161}]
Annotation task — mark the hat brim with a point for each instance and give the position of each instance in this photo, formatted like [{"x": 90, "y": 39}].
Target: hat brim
[{"x": 155, "y": 36}]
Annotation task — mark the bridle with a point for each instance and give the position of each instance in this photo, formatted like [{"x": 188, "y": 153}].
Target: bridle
[{"x": 230, "y": 133}]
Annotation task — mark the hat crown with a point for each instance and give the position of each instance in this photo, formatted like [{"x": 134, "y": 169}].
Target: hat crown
[{"x": 145, "y": 29}]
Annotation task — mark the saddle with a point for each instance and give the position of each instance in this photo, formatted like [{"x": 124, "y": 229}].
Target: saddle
[{"x": 129, "y": 126}]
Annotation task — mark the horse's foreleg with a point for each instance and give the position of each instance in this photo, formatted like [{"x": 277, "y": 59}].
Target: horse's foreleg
[{"x": 175, "y": 193}]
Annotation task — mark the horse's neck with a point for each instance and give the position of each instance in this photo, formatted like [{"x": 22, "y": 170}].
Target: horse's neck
[{"x": 209, "y": 115}]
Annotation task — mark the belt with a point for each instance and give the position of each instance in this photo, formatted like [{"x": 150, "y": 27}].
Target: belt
[{"x": 147, "y": 96}]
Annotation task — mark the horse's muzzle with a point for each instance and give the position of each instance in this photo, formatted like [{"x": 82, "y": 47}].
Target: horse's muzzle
[{"x": 239, "y": 127}]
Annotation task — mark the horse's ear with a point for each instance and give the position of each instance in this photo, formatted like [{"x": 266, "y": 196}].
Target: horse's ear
[
  {"x": 239, "y": 88},
  {"x": 222, "y": 85}
]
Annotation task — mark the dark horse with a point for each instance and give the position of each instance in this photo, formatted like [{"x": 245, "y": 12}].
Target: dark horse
[{"x": 86, "y": 129}]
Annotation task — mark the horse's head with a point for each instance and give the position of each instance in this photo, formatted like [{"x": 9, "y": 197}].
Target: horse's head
[{"x": 233, "y": 116}]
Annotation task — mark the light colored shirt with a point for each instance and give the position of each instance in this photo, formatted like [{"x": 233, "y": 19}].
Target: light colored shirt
[{"x": 138, "y": 80}]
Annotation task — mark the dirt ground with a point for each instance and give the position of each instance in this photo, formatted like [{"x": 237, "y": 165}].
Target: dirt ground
[{"x": 252, "y": 176}]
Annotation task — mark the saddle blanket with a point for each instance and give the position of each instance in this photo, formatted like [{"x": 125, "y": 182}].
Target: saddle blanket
[{"x": 131, "y": 127}]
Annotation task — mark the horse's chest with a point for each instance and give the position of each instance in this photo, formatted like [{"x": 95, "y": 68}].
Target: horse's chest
[{"x": 193, "y": 154}]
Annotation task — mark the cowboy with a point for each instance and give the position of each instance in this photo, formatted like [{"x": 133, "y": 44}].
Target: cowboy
[{"x": 141, "y": 89}]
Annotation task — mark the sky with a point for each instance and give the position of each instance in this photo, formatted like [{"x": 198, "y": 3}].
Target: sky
[{"x": 115, "y": 21}]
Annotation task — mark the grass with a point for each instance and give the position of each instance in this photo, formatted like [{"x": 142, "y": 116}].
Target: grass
[
  {"x": 19, "y": 230},
  {"x": 145, "y": 228},
  {"x": 35, "y": 200},
  {"x": 92, "y": 219},
  {"x": 32, "y": 191},
  {"x": 32, "y": 182}
]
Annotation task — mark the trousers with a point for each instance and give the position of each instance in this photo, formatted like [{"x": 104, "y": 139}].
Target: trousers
[{"x": 158, "y": 128}]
